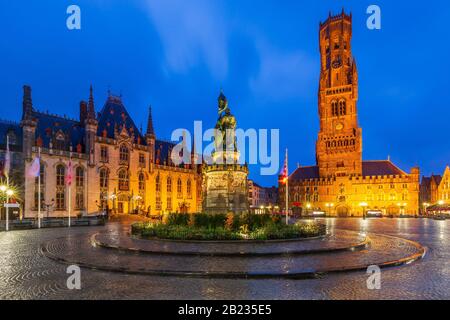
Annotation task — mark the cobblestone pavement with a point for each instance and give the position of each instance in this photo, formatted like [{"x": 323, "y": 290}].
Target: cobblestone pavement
[{"x": 26, "y": 274}]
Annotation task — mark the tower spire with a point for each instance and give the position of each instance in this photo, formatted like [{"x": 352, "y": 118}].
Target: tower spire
[
  {"x": 150, "y": 129},
  {"x": 91, "y": 107}
]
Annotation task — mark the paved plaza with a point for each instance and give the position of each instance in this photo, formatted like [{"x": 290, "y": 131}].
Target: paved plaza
[{"x": 26, "y": 272}]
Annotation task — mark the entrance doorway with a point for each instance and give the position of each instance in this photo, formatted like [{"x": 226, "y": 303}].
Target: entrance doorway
[{"x": 342, "y": 211}]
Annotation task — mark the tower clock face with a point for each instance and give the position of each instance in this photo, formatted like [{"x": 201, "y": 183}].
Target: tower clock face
[{"x": 339, "y": 126}]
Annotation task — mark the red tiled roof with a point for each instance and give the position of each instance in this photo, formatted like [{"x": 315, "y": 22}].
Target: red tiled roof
[{"x": 380, "y": 168}]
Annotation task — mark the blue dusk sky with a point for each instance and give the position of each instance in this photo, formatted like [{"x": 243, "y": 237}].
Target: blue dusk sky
[{"x": 177, "y": 54}]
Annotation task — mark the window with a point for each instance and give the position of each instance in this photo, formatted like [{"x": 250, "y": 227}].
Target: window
[
  {"x": 342, "y": 108},
  {"x": 189, "y": 188},
  {"x": 79, "y": 183},
  {"x": 169, "y": 203},
  {"x": 179, "y": 189},
  {"x": 123, "y": 180},
  {"x": 104, "y": 154},
  {"x": 104, "y": 178},
  {"x": 158, "y": 202},
  {"x": 141, "y": 160},
  {"x": 124, "y": 154},
  {"x": 141, "y": 182},
  {"x": 42, "y": 191},
  {"x": 158, "y": 184},
  {"x": 334, "y": 108},
  {"x": 169, "y": 185},
  {"x": 60, "y": 188},
  {"x": 60, "y": 176},
  {"x": 79, "y": 177},
  {"x": 60, "y": 142}
]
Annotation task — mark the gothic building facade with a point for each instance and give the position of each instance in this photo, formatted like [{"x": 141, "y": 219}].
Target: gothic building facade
[
  {"x": 114, "y": 164},
  {"x": 341, "y": 183}
]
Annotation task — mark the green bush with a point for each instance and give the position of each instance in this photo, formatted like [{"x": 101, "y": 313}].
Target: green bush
[
  {"x": 210, "y": 221},
  {"x": 178, "y": 219},
  {"x": 213, "y": 231}
]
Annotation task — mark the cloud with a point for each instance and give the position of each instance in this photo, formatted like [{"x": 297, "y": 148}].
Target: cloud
[
  {"x": 284, "y": 74},
  {"x": 192, "y": 32}
]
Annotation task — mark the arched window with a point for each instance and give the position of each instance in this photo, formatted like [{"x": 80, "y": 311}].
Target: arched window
[
  {"x": 124, "y": 181},
  {"x": 104, "y": 178},
  {"x": 141, "y": 182},
  {"x": 79, "y": 177},
  {"x": 179, "y": 188},
  {"x": 60, "y": 188},
  {"x": 169, "y": 185},
  {"x": 342, "y": 108},
  {"x": 334, "y": 108},
  {"x": 42, "y": 191},
  {"x": 189, "y": 188},
  {"x": 79, "y": 183},
  {"x": 124, "y": 154}
]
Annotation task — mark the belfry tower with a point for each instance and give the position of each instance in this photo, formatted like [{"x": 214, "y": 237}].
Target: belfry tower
[{"x": 339, "y": 144}]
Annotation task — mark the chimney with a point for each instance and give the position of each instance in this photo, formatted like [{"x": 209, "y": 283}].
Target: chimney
[{"x": 83, "y": 111}]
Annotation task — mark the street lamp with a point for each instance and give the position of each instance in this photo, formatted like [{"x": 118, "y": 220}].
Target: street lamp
[
  {"x": 364, "y": 205},
  {"x": 329, "y": 206},
  {"x": 425, "y": 208},
  {"x": 9, "y": 193}
]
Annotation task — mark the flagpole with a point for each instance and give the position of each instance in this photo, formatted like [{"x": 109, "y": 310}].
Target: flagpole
[
  {"x": 7, "y": 182},
  {"x": 287, "y": 188},
  {"x": 39, "y": 189},
  {"x": 70, "y": 186}
]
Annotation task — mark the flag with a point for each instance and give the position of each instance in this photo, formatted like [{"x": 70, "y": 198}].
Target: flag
[
  {"x": 284, "y": 172},
  {"x": 69, "y": 176},
  {"x": 7, "y": 166},
  {"x": 35, "y": 168}
]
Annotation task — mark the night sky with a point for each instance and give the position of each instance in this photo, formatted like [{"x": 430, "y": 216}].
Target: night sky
[{"x": 176, "y": 55}]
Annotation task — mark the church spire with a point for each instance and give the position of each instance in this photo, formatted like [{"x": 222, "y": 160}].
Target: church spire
[{"x": 150, "y": 130}]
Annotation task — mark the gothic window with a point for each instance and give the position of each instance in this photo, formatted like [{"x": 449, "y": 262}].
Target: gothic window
[
  {"x": 104, "y": 178},
  {"x": 169, "y": 185},
  {"x": 169, "y": 203},
  {"x": 158, "y": 184},
  {"x": 36, "y": 187},
  {"x": 334, "y": 108},
  {"x": 342, "y": 108},
  {"x": 79, "y": 177},
  {"x": 141, "y": 182},
  {"x": 179, "y": 189},
  {"x": 60, "y": 188},
  {"x": 60, "y": 142},
  {"x": 104, "y": 154},
  {"x": 158, "y": 202},
  {"x": 189, "y": 189},
  {"x": 79, "y": 183},
  {"x": 124, "y": 154},
  {"x": 124, "y": 181},
  {"x": 141, "y": 160}
]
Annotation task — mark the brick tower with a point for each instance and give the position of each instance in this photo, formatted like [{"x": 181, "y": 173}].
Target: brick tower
[{"x": 339, "y": 143}]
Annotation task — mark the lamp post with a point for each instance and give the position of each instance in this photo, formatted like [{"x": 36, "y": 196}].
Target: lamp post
[
  {"x": 308, "y": 207},
  {"x": 440, "y": 203},
  {"x": 364, "y": 205},
  {"x": 329, "y": 206},
  {"x": 8, "y": 193}
]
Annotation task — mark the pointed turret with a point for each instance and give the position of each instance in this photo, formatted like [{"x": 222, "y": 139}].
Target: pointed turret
[
  {"x": 28, "y": 123},
  {"x": 150, "y": 129},
  {"x": 150, "y": 138},
  {"x": 91, "y": 107}
]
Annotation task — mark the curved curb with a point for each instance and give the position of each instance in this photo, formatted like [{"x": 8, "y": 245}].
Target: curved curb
[
  {"x": 353, "y": 247},
  {"x": 309, "y": 274}
]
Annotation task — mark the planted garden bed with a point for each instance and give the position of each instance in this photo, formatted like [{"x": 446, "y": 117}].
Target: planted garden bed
[{"x": 226, "y": 227}]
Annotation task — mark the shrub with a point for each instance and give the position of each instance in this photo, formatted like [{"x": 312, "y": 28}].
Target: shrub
[
  {"x": 178, "y": 219},
  {"x": 210, "y": 221}
]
